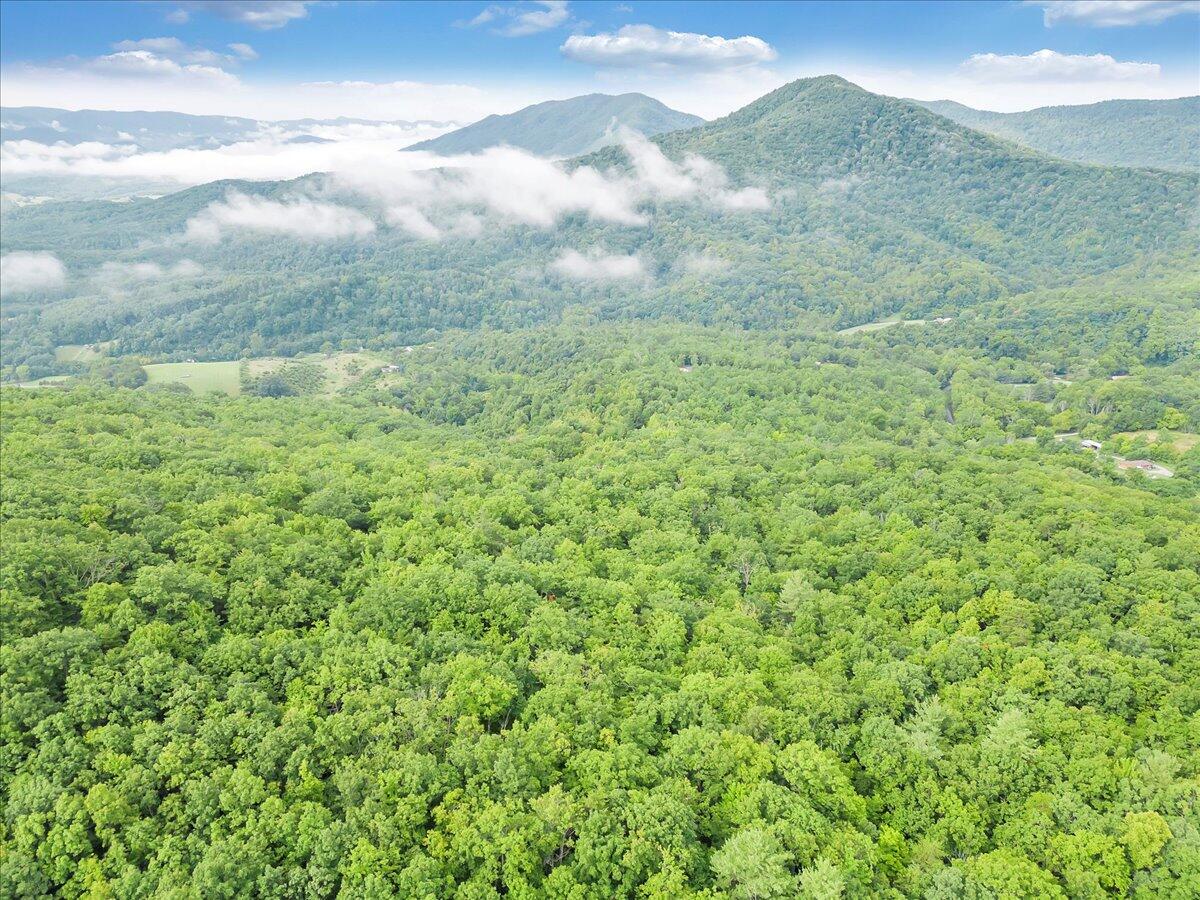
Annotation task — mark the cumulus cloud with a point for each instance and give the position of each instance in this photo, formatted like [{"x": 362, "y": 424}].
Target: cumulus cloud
[
  {"x": 1112, "y": 13},
  {"x": 113, "y": 276},
  {"x": 644, "y": 46},
  {"x": 596, "y": 266},
  {"x": 133, "y": 65},
  {"x": 22, "y": 272},
  {"x": 300, "y": 217},
  {"x": 146, "y": 64},
  {"x": 174, "y": 49},
  {"x": 521, "y": 20},
  {"x": 261, "y": 14},
  {"x": 1050, "y": 65}
]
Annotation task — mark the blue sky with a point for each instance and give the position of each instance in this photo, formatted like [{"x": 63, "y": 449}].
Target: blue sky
[{"x": 462, "y": 60}]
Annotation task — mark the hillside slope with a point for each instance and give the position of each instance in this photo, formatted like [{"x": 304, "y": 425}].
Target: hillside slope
[
  {"x": 847, "y": 154},
  {"x": 561, "y": 128},
  {"x": 876, "y": 206},
  {"x": 1159, "y": 134}
]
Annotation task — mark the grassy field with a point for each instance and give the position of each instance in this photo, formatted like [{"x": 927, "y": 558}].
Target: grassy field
[
  {"x": 79, "y": 353},
  {"x": 340, "y": 369},
  {"x": 1179, "y": 441},
  {"x": 201, "y": 378},
  {"x": 881, "y": 324}
]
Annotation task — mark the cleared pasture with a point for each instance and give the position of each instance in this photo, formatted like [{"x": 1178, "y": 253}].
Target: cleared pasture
[
  {"x": 78, "y": 353},
  {"x": 1179, "y": 441},
  {"x": 880, "y": 325},
  {"x": 199, "y": 378},
  {"x": 340, "y": 370}
]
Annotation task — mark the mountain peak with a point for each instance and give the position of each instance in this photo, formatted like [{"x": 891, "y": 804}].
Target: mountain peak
[{"x": 565, "y": 127}]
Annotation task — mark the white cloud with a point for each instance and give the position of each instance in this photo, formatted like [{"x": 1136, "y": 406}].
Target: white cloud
[
  {"x": 511, "y": 184},
  {"x": 695, "y": 177},
  {"x": 644, "y": 46},
  {"x": 243, "y": 51},
  {"x": 300, "y": 218},
  {"x": 424, "y": 194},
  {"x": 519, "y": 187},
  {"x": 23, "y": 157},
  {"x": 173, "y": 48},
  {"x": 145, "y": 64},
  {"x": 261, "y": 14},
  {"x": 270, "y": 156},
  {"x": 598, "y": 267},
  {"x": 22, "y": 272},
  {"x": 116, "y": 275},
  {"x": 553, "y": 14},
  {"x": 134, "y": 68},
  {"x": 1050, "y": 65},
  {"x": 412, "y": 220},
  {"x": 1112, "y": 13},
  {"x": 519, "y": 21}
]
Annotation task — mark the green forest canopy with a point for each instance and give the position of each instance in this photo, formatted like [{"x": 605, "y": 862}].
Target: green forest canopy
[{"x": 544, "y": 614}]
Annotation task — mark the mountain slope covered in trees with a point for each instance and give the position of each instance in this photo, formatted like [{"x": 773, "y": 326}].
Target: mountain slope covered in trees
[
  {"x": 562, "y": 128},
  {"x": 873, "y": 206},
  {"x": 1160, "y": 134}
]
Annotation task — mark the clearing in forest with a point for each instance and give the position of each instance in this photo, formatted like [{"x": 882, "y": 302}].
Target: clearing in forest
[
  {"x": 339, "y": 370},
  {"x": 1179, "y": 441},
  {"x": 79, "y": 353},
  {"x": 881, "y": 324},
  {"x": 199, "y": 377}
]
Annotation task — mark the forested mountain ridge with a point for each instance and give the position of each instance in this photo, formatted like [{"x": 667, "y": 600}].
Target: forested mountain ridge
[
  {"x": 948, "y": 183},
  {"x": 873, "y": 205},
  {"x": 564, "y": 127},
  {"x": 1162, "y": 134}
]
